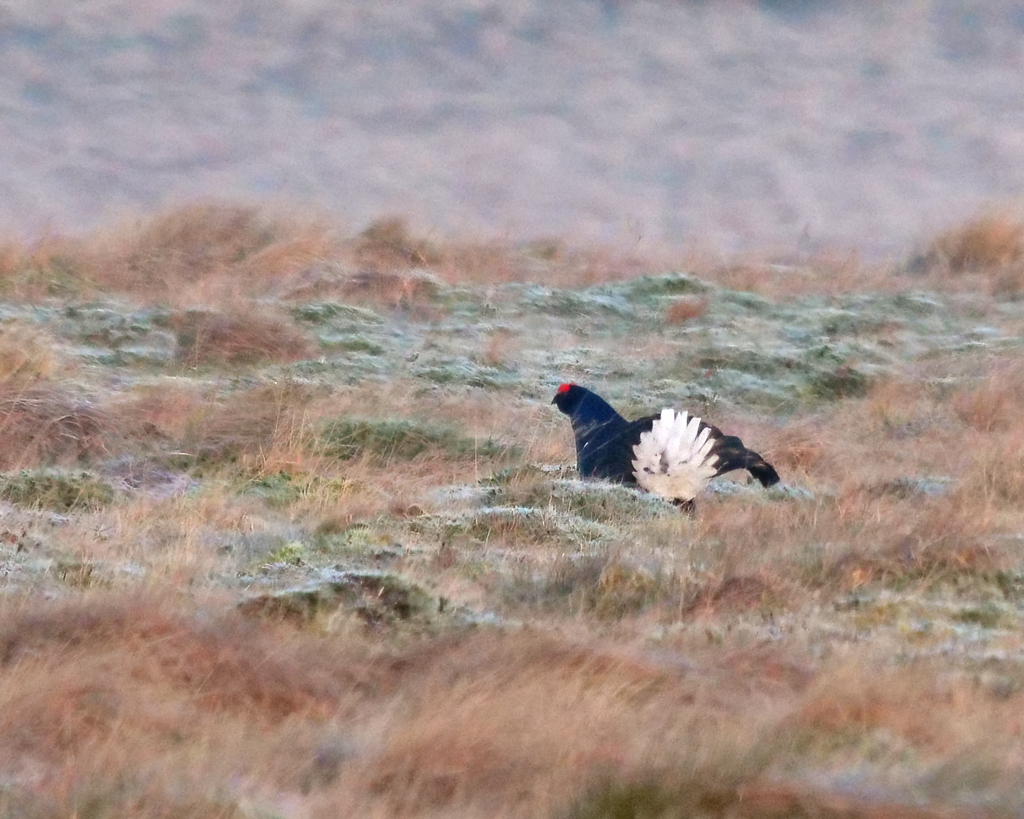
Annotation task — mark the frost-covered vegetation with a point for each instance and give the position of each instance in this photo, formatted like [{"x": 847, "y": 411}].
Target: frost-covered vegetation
[{"x": 290, "y": 528}]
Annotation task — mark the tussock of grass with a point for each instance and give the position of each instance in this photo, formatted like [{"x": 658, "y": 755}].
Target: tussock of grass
[
  {"x": 515, "y": 527},
  {"x": 993, "y": 403},
  {"x": 594, "y": 584},
  {"x": 896, "y": 702},
  {"x": 206, "y": 244},
  {"x": 686, "y": 309},
  {"x": 190, "y": 243},
  {"x": 987, "y": 251},
  {"x": 796, "y": 450},
  {"x": 379, "y": 600},
  {"x": 625, "y": 589},
  {"x": 733, "y": 593},
  {"x": 246, "y": 671},
  {"x": 407, "y": 290},
  {"x": 245, "y": 337},
  {"x": 49, "y": 424},
  {"x": 598, "y": 502},
  {"x": 208, "y": 251},
  {"x": 570, "y": 584},
  {"x": 843, "y": 381},
  {"x": 469, "y": 756},
  {"x": 386, "y": 244},
  {"x": 845, "y": 542},
  {"x": 281, "y": 489},
  {"x": 994, "y": 240},
  {"x": 259, "y": 431},
  {"x": 52, "y": 266},
  {"x": 997, "y": 477},
  {"x": 27, "y": 355}
]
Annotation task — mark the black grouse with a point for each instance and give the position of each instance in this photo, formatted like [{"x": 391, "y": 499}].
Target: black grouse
[{"x": 671, "y": 454}]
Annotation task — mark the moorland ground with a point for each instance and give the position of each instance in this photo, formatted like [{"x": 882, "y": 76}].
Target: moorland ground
[{"x": 290, "y": 528}]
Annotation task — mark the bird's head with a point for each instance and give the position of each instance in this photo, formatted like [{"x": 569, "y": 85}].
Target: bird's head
[{"x": 568, "y": 397}]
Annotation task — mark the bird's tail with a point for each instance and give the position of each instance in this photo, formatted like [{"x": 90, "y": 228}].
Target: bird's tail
[{"x": 674, "y": 459}]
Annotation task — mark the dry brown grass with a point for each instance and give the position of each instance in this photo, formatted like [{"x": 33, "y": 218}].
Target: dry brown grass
[
  {"x": 822, "y": 275},
  {"x": 923, "y": 706},
  {"x": 27, "y": 354},
  {"x": 994, "y": 402},
  {"x": 904, "y": 427},
  {"x": 993, "y": 240},
  {"x": 236, "y": 337},
  {"x": 412, "y": 291},
  {"x": 215, "y": 249},
  {"x": 47, "y": 424},
  {"x": 52, "y": 265},
  {"x": 686, "y": 309},
  {"x": 773, "y": 556},
  {"x": 871, "y": 522},
  {"x": 502, "y": 346},
  {"x": 995, "y": 477},
  {"x": 386, "y": 244},
  {"x": 256, "y": 433},
  {"x": 259, "y": 430},
  {"x": 209, "y": 253},
  {"x": 116, "y": 705},
  {"x": 387, "y": 252},
  {"x": 216, "y": 254},
  {"x": 12, "y": 253},
  {"x": 984, "y": 253},
  {"x": 229, "y": 666},
  {"x": 123, "y": 701},
  {"x": 190, "y": 243},
  {"x": 796, "y": 450},
  {"x": 555, "y": 266}
]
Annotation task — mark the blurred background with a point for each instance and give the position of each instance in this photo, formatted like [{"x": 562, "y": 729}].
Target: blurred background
[{"x": 780, "y": 126}]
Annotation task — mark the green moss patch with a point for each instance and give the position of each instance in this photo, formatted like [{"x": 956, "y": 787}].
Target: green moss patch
[
  {"x": 60, "y": 491},
  {"x": 376, "y": 598},
  {"x": 387, "y": 440}
]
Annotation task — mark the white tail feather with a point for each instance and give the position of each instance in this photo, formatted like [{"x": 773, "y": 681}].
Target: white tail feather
[{"x": 672, "y": 459}]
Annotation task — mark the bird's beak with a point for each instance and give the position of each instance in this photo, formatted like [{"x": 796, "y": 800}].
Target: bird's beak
[{"x": 554, "y": 399}]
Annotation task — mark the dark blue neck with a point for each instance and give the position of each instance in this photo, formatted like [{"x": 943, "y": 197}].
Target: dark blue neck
[
  {"x": 597, "y": 429},
  {"x": 594, "y": 410}
]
